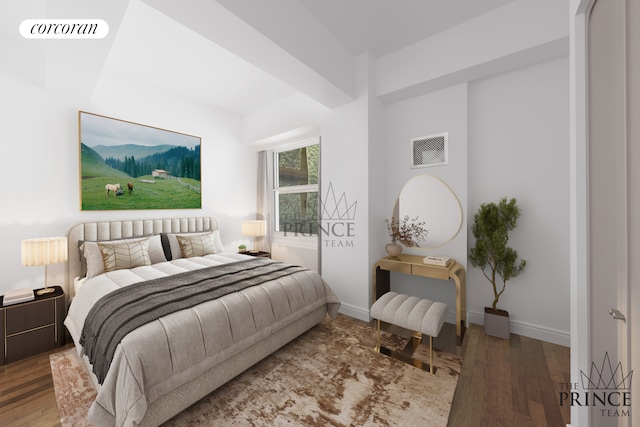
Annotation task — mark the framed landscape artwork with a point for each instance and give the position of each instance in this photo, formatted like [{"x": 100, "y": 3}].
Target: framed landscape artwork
[{"x": 125, "y": 165}]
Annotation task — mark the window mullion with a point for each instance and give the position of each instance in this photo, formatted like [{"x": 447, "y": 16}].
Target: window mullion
[{"x": 276, "y": 177}]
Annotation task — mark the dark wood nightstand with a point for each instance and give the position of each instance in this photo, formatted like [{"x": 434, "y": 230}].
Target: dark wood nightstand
[
  {"x": 258, "y": 254},
  {"x": 32, "y": 327}
]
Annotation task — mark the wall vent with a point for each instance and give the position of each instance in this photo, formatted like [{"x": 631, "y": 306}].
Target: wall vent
[{"x": 428, "y": 151}]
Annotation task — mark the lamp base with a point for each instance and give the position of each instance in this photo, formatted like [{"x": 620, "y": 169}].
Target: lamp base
[{"x": 45, "y": 291}]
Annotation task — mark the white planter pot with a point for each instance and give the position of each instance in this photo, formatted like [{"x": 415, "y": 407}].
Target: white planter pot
[{"x": 497, "y": 323}]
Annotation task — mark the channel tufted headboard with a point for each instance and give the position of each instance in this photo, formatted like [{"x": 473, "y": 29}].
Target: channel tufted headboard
[{"x": 123, "y": 229}]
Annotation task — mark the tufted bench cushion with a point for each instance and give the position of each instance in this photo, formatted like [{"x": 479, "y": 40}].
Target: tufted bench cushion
[
  {"x": 408, "y": 312},
  {"x": 413, "y": 313}
]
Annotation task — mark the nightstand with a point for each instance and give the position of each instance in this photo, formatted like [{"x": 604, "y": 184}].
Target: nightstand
[
  {"x": 260, "y": 254},
  {"x": 32, "y": 327}
]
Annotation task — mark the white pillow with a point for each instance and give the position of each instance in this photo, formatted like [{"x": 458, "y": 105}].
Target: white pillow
[
  {"x": 217, "y": 242},
  {"x": 92, "y": 259},
  {"x": 156, "y": 253}
]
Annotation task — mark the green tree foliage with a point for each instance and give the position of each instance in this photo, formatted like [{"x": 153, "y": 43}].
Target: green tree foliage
[
  {"x": 299, "y": 166},
  {"x": 178, "y": 161},
  {"x": 491, "y": 226},
  {"x": 298, "y": 210}
]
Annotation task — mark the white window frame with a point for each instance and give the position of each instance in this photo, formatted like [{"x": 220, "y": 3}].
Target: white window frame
[{"x": 278, "y": 237}]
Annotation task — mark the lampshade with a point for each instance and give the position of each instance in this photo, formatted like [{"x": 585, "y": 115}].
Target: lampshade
[
  {"x": 44, "y": 251},
  {"x": 255, "y": 228}
]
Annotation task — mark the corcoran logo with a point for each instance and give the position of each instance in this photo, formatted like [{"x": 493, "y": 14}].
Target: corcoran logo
[
  {"x": 64, "y": 29},
  {"x": 606, "y": 387}
]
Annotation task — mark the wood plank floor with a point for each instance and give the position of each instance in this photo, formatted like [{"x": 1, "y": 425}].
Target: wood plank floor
[
  {"x": 26, "y": 393},
  {"x": 514, "y": 382},
  {"x": 503, "y": 383}
]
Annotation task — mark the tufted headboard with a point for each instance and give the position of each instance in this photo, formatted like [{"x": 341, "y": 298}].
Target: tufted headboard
[{"x": 123, "y": 229}]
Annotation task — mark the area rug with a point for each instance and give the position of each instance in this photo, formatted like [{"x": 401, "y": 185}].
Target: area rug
[{"x": 329, "y": 376}]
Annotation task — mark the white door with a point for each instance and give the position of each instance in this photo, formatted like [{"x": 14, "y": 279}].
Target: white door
[{"x": 612, "y": 213}]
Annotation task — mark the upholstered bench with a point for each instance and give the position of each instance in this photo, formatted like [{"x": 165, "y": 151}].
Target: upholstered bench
[{"x": 416, "y": 314}]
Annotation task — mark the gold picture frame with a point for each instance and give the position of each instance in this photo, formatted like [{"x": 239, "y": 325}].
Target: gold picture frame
[{"x": 126, "y": 165}]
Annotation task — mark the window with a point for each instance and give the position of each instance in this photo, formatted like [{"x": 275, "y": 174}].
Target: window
[{"x": 295, "y": 190}]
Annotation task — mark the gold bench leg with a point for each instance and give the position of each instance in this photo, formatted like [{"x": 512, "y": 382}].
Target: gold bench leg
[
  {"x": 406, "y": 354},
  {"x": 431, "y": 354}
]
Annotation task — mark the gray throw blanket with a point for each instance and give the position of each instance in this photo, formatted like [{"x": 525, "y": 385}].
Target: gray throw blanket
[{"x": 121, "y": 311}]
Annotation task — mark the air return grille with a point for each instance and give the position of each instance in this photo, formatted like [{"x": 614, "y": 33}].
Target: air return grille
[{"x": 429, "y": 151}]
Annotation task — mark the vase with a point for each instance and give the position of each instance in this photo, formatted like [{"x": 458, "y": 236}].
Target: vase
[{"x": 393, "y": 249}]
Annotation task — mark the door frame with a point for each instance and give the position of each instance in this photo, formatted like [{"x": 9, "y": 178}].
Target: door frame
[
  {"x": 579, "y": 292},
  {"x": 581, "y": 333}
]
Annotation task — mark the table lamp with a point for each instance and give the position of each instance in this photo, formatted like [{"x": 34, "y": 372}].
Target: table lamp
[
  {"x": 255, "y": 229},
  {"x": 44, "y": 251}
]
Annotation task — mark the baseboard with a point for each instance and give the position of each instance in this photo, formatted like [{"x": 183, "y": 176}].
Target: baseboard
[
  {"x": 355, "y": 312},
  {"x": 529, "y": 330}
]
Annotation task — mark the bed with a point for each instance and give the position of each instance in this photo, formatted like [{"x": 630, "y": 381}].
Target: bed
[{"x": 187, "y": 317}]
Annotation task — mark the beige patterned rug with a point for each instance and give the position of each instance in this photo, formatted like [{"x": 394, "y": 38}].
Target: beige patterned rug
[{"x": 329, "y": 376}]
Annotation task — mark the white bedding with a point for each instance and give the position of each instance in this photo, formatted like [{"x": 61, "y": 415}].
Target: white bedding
[
  {"x": 155, "y": 358},
  {"x": 99, "y": 286}
]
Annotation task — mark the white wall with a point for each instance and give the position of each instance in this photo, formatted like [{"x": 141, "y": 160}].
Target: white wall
[
  {"x": 519, "y": 147},
  {"x": 41, "y": 167},
  {"x": 378, "y": 182},
  {"x": 344, "y": 165},
  {"x": 441, "y": 111}
]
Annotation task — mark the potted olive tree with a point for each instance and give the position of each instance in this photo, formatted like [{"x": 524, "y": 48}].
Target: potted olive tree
[{"x": 498, "y": 262}]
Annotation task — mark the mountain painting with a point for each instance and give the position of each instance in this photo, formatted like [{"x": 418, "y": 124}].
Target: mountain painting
[{"x": 125, "y": 165}]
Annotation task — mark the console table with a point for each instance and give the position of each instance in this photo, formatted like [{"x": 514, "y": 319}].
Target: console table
[{"x": 412, "y": 264}]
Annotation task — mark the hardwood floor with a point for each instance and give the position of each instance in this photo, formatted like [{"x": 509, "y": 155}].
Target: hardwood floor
[
  {"x": 26, "y": 393},
  {"x": 514, "y": 382},
  {"x": 503, "y": 383}
]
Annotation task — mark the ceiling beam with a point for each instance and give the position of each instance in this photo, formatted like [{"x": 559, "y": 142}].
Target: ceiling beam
[
  {"x": 518, "y": 34},
  {"x": 324, "y": 70}
]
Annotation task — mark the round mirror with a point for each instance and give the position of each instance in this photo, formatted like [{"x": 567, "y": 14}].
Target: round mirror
[{"x": 432, "y": 201}]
